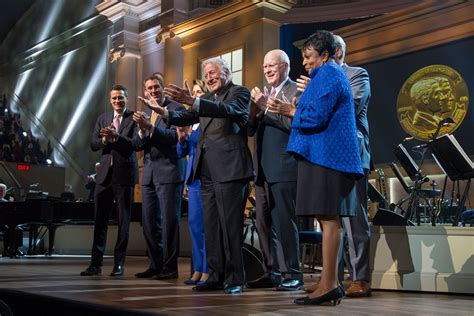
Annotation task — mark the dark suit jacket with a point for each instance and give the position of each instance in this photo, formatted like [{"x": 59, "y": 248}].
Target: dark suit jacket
[
  {"x": 223, "y": 132},
  {"x": 360, "y": 84},
  {"x": 160, "y": 160},
  {"x": 271, "y": 132},
  {"x": 121, "y": 152}
]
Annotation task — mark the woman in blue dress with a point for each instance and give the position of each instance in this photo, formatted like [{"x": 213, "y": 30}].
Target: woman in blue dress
[
  {"x": 187, "y": 145},
  {"x": 324, "y": 140}
]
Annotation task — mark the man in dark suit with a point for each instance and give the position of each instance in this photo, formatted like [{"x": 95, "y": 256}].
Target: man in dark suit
[
  {"x": 276, "y": 179},
  {"x": 224, "y": 166},
  {"x": 357, "y": 228},
  {"x": 115, "y": 179},
  {"x": 161, "y": 185}
]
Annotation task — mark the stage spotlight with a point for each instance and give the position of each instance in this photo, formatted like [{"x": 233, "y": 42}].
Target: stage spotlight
[
  {"x": 6, "y": 110},
  {"x": 20, "y": 84},
  {"x": 55, "y": 83},
  {"x": 94, "y": 83},
  {"x": 24, "y": 134},
  {"x": 49, "y": 162},
  {"x": 58, "y": 158},
  {"x": 51, "y": 18}
]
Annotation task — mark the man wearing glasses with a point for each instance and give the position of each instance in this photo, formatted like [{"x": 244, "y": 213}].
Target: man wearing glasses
[{"x": 276, "y": 179}]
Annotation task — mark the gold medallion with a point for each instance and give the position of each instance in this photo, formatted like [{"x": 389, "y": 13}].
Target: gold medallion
[{"x": 429, "y": 96}]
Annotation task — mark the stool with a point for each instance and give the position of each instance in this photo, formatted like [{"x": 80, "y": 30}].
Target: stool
[{"x": 310, "y": 241}]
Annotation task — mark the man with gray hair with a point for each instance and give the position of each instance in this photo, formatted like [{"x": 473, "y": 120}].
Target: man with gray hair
[
  {"x": 224, "y": 166},
  {"x": 275, "y": 184}
]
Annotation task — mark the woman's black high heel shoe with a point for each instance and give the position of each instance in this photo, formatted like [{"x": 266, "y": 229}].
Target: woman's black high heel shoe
[{"x": 334, "y": 297}]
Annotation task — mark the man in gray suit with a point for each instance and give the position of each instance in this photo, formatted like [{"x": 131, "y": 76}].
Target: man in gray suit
[
  {"x": 276, "y": 179},
  {"x": 224, "y": 165},
  {"x": 357, "y": 227}
]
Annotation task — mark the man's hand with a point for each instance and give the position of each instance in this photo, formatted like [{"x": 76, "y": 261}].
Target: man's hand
[
  {"x": 183, "y": 132},
  {"x": 143, "y": 120},
  {"x": 108, "y": 134},
  {"x": 302, "y": 82},
  {"x": 283, "y": 107},
  {"x": 178, "y": 94},
  {"x": 150, "y": 102},
  {"x": 259, "y": 99}
]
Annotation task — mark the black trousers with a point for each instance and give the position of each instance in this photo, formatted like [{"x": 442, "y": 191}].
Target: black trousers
[
  {"x": 278, "y": 230},
  {"x": 223, "y": 206},
  {"x": 104, "y": 204}
]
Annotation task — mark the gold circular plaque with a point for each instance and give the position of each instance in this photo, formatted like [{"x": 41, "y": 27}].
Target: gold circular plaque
[{"x": 429, "y": 96}]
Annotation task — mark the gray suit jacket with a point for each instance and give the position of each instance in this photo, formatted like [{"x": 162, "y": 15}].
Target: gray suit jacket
[
  {"x": 271, "y": 132},
  {"x": 360, "y": 84}
]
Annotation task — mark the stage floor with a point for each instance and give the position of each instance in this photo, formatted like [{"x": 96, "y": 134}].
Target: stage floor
[{"x": 57, "y": 278}]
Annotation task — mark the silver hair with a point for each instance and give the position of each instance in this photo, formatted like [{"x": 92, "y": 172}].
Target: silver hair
[
  {"x": 283, "y": 58},
  {"x": 226, "y": 72},
  {"x": 340, "y": 43}
]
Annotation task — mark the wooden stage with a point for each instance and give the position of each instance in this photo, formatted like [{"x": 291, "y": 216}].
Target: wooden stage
[{"x": 52, "y": 286}]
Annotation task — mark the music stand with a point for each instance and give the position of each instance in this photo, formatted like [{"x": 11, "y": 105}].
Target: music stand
[
  {"x": 415, "y": 191},
  {"x": 375, "y": 196},
  {"x": 455, "y": 163},
  {"x": 406, "y": 161}
]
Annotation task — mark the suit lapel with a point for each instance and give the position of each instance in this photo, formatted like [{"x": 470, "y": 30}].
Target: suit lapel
[
  {"x": 125, "y": 121},
  {"x": 284, "y": 90},
  {"x": 206, "y": 121}
]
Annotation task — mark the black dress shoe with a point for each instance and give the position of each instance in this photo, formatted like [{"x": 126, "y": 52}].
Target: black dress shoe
[
  {"x": 117, "y": 271},
  {"x": 290, "y": 285},
  {"x": 147, "y": 274},
  {"x": 208, "y": 286},
  {"x": 334, "y": 297},
  {"x": 91, "y": 270},
  {"x": 233, "y": 289},
  {"x": 263, "y": 282},
  {"x": 167, "y": 275}
]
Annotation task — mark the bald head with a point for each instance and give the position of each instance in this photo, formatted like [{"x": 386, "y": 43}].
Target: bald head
[
  {"x": 276, "y": 67},
  {"x": 340, "y": 49}
]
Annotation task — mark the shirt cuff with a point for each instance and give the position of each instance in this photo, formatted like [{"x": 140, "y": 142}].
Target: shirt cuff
[
  {"x": 196, "y": 104},
  {"x": 166, "y": 114}
]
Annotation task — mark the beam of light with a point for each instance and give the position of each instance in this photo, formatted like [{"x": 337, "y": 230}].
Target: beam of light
[
  {"x": 51, "y": 18},
  {"x": 58, "y": 158},
  {"x": 85, "y": 100},
  {"x": 20, "y": 84},
  {"x": 55, "y": 83}
]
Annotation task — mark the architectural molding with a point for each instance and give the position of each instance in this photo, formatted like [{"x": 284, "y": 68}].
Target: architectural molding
[
  {"x": 228, "y": 12},
  {"x": 142, "y": 9},
  {"x": 342, "y": 10},
  {"x": 427, "y": 24},
  {"x": 148, "y": 43}
]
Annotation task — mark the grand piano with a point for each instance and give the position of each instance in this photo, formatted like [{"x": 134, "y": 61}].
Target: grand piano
[{"x": 39, "y": 216}]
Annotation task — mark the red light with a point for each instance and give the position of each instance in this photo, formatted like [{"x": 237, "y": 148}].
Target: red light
[{"x": 23, "y": 167}]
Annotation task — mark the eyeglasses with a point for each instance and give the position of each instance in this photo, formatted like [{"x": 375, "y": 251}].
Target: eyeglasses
[{"x": 271, "y": 66}]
